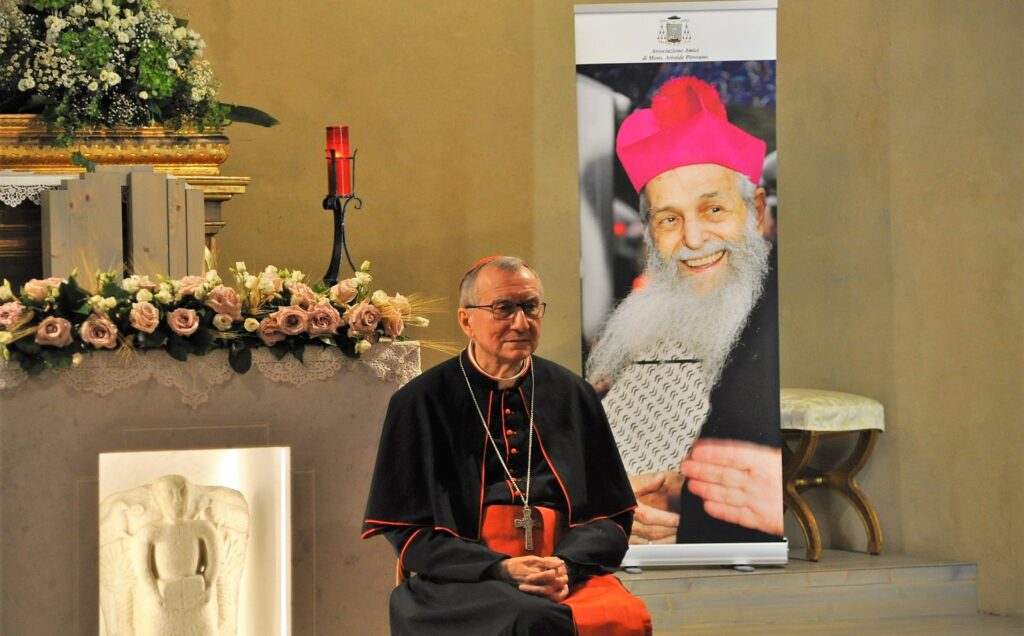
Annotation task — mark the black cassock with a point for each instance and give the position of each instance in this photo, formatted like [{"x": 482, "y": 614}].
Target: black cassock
[
  {"x": 744, "y": 405},
  {"x": 436, "y": 470}
]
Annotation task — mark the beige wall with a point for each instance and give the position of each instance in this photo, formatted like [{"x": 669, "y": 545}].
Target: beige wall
[{"x": 901, "y": 273}]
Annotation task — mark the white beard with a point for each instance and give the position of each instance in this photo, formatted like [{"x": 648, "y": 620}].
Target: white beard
[{"x": 669, "y": 314}]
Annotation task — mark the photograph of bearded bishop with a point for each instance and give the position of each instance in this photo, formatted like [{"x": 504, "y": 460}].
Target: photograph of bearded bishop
[{"x": 688, "y": 362}]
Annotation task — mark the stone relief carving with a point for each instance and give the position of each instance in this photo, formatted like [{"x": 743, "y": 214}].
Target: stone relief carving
[{"x": 171, "y": 557}]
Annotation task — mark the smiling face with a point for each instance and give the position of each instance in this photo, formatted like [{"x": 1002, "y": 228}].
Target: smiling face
[
  {"x": 694, "y": 212},
  {"x": 500, "y": 346}
]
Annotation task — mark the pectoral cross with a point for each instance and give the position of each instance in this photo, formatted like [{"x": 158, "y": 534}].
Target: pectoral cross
[{"x": 527, "y": 524}]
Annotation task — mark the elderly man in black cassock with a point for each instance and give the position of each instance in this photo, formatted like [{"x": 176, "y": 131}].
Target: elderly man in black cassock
[{"x": 499, "y": 484}]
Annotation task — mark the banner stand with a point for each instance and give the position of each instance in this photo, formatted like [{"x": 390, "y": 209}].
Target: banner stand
[{"x": 691, "y": 554}]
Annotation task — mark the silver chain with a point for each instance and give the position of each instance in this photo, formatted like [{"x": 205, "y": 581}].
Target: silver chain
[{"x": 529, "y": 452}]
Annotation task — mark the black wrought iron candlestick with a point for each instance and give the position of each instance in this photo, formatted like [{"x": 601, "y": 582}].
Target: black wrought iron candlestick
[{"x": 339, "y": 202}]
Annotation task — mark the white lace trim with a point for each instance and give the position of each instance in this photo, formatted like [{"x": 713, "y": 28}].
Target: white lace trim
[
  {"x": 103, "y": 373},
  {"x": 17, "y": 187}
]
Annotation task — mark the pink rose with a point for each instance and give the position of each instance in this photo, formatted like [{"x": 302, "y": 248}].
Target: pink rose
[
  {"x": 393, "y": 326},
  {"x": 183, "y": 321},
  {"x": 224, "y": 300},
  {"x": 99, "y": 332},
  {"x": 344, "y": 292},
  {"x": 363, "y": 319},
  {"x": 269, "y": 332},
  {"x": 323, "y": 320},
  {"x": 38, "y": 290},
  {"x": 144, "y": 317},
  {"x": 54, "y": 332},
  {"x": 302, "y": 295},
  {"x": 292, "y": 320},
  {"x": 187, "y": 286},
  {"x": 10, "y": 313}
]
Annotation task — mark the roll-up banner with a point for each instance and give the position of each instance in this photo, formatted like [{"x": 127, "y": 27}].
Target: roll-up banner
[{"x": 678, "y": 216}]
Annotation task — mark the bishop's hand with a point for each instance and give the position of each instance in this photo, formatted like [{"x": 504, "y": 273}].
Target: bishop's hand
[
  {"x": 740, "y": 482},
  {"x": 541, "y": 576},
  {"x": 657, "y": 518}
]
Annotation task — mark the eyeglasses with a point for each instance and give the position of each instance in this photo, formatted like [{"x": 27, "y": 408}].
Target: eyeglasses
[{"x": 505, "y": 309}]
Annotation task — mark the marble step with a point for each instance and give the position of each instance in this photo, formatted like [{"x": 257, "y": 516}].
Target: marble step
[
  {"x": 970, "y": 624},
  {"x": 842, "y": 587}
]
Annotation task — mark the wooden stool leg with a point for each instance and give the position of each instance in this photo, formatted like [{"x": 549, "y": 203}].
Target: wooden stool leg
[
  {"x": 795, "y": 462},
  {"x": 842, "y": 479}
]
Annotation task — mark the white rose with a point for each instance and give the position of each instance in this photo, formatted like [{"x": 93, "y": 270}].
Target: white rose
[
  {"x": 144, "y": 296},
  {"x": 93, "y": 85},
  {"x": 110, "y": 302},
  {"x": 267, "y": 286},
  {"x": 26, "y": 83},
  {"x": 251, "y": 282},
  {"x": 379, "y": 299},
  {"x": 124, "y": 38},
  {"x": 362, "y": 278},
  {"x": 240, "y": 267},
  {"x": 363, "y": 346},
  {"x": 96, "y": 300},
  {"x": 198, "y": 94},
  {"x": 213, "y": 278},
  {"x": 222, "y": 322},
  {"x": 251, "y": 324},
  {"x": 130, "y": 284},
  {"x": 5, "y": 291},
  {"x": 164, "y": 296},
  {"x": 143, "y": 95},
  {"x": 179, "y": 34},
  {"x": 172, "y": 63},
  {"x": 270, "y": 269},
  {"x": 96, "y": 5},
  {"x": 78, "y": 10}
]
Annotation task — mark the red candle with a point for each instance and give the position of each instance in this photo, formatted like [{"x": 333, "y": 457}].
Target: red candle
[{"x": 339, "y": 172}]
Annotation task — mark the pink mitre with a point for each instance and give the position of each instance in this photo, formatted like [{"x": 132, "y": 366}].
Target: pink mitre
[{"x": 685, "y": 125}]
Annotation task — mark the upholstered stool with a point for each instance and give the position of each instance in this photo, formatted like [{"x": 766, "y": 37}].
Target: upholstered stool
[{"x": 808, "y": 416}]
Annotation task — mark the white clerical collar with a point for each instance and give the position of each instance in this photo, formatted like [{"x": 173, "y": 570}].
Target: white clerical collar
[{"x": 501, "y": 381}]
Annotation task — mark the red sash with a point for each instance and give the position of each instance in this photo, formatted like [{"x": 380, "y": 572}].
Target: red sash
[{"x": 600, "y": 606}]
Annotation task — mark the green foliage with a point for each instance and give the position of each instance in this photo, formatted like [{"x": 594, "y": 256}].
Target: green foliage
[
  {"x": 154, "y": 76},
  {"x": 91, "y": 48}
]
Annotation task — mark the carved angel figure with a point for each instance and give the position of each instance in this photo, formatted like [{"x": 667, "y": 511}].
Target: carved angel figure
[{"x": 171, "y": 556}]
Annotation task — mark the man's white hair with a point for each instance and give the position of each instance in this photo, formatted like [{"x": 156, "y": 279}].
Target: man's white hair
[
  {"x": 670, "y": 310},
  {"x": 510, "y": 264}
]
